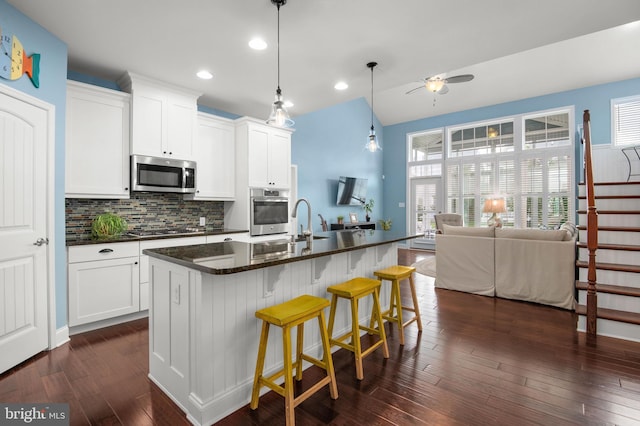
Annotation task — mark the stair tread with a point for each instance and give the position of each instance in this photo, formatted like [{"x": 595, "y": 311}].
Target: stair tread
[
  {"x": 612, "y": 183},
  {"x": 610, "y": 266},
  {"x": 612, "y": 212},
  {"x": 624, "y": 247},
  {"x": 610, "y": 197},
  {"x": 611, "y": 289},
  {"x": 612, "y": 314},
  {"x": 613, "y": 228}
]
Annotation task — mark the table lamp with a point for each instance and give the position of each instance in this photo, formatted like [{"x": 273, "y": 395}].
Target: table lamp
[{"x": 495, "y": 206}]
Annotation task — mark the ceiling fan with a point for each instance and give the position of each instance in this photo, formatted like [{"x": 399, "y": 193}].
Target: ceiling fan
[{"x": 438, "y": 84}]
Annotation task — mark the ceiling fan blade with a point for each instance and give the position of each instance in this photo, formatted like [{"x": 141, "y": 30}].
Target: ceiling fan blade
[
  {"x": 459, "y": 78},
  {"x": 413, "y": 90},
  {"x": 443, "y": 91}
]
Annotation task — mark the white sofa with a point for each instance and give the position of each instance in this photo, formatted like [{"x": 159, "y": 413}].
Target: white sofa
[{"x": 523, "y": 264}]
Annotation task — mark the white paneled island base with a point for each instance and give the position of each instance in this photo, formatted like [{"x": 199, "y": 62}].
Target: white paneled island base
[{"x": 204, "y": 334}]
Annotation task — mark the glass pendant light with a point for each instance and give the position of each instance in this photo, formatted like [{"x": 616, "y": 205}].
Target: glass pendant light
[
  {"x": 279, "y": 115},
  {"x": 372, "y": 144}
]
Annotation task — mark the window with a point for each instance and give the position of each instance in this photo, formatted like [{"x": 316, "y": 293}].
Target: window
[
  {"x": 527, "y": 159},
  {"x": 482, "y": 139},
  {"x": 625, "y": 121},
  {"x": 546, "y": 131},
  {"x": 426, "y": 154}
]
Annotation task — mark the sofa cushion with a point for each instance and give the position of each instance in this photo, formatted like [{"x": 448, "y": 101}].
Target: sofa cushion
[
  {"x": 467, "y": 231},
  {"x": 531, "y": 234}
]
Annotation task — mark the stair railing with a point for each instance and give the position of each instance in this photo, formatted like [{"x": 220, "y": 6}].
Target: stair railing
[{"x": 592, "y": 228}]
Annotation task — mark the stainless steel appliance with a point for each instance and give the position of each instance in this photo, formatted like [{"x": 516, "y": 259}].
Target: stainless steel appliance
[
  {"x": 269, "y": 211},
  {"x": 155, "y": 174}
]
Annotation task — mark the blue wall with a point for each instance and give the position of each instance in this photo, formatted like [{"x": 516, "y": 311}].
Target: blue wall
[
  {"x": 595, "y": 98},
  {"x": 328, "y": 144},
  {"x": 53, "y": 77}
]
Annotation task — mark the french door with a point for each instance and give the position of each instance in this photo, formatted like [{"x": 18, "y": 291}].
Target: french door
[{"x": 426, "y": 201}]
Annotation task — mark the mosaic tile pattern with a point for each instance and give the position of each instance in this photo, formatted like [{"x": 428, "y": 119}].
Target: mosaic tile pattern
[{"x": 144, "y": 211}]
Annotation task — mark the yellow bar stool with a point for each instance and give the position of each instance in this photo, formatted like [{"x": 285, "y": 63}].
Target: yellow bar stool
[
  {"x": 287, "y": 315},
  {"x": 395, "y": 274},
  {"x": 354, "y": 290}
]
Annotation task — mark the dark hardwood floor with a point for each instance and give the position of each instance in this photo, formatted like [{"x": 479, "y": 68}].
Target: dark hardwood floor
[{"x": 479, "y": 360}]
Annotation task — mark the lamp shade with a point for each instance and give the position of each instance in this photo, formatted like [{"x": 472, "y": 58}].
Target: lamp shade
[{"x": 494, "y": 205}]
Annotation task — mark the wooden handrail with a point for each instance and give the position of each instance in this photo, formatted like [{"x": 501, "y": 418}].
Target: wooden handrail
[{"x": 592, "y": 228}]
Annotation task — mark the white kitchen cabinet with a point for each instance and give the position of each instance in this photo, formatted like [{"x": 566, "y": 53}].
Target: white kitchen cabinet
[
  {"x": 144, "y": 261},
  {"x": 214, "y": 152},
  {"x": 96, "y": 142},
  {"x": 103, "y": 281},
  {"x": 268, "y": 154},
  {"x": 163, "y": 117}
]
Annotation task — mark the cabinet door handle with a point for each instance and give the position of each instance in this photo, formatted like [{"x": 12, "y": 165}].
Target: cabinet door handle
[
  {"x": 135, "y": 263},
  {"x": 228, "y": 239},
  {"x": 106, "y": 250}
]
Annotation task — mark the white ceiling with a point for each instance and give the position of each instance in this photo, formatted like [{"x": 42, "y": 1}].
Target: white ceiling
[{"x": 515, "y": 49}]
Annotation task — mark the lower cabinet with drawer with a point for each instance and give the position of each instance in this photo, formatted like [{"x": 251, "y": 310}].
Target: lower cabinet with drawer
[{"x": 104, "y": 281}]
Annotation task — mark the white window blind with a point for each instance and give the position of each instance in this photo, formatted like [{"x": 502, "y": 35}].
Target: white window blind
[{"x": 626, "y": 121}]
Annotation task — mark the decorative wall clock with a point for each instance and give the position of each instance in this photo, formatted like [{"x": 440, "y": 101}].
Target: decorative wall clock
[{"x": 14, "y": 62}]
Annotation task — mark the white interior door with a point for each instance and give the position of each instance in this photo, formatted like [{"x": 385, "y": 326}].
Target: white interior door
[
  {"x": 426, "y": 201},
  {"x": 24, "y": 314}
]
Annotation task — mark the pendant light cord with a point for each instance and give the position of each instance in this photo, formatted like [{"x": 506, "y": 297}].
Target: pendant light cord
[
  {"x": 278, "y": 6},
  {"x": 372, "y": 96}
]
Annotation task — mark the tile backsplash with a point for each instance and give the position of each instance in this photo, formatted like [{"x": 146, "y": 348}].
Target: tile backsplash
[{"x": 143, "y": 211}]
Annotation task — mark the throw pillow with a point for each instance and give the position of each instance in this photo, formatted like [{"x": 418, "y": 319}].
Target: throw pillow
[{"x": 570, "y": 229}]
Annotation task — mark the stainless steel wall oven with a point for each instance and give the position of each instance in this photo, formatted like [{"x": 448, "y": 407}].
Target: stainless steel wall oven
[{"x": 269, "y": 211}]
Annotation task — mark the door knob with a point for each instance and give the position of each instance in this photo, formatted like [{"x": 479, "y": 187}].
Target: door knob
[{"x": 41, "y": 241}]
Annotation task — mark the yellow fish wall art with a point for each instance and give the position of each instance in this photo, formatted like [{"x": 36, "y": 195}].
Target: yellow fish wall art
[{"x": 14, "y": 62}]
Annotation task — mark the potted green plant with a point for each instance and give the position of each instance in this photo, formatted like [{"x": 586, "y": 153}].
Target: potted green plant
[
  {"x": 368, "y": 208},
  {"x": 108, "y": 225},
  {"x": 385, "y": 224},
  {"x": 340, "y": 220}
]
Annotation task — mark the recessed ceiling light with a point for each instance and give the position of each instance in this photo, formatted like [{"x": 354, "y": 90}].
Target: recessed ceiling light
[
  {"x": 257, "y": 44},
  {"x": 204, "y": 74},
  {"x": 341, "y": 85}
]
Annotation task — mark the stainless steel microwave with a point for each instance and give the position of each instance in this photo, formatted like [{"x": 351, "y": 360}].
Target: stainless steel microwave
[{"x": 155, "y": 174}]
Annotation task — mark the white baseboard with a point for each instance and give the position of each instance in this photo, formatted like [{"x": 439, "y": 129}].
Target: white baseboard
[
  {"x": 106, "y": 323},
  {"x": 62, "y": 336}
]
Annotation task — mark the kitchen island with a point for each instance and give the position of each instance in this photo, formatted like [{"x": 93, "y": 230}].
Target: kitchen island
[{"x": 203, "y": 334}]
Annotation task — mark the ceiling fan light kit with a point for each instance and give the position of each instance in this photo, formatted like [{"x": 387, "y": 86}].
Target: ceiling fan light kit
[
  {"x": 372, "y": 144},
  {"x": 434, "y": 85},
  {"x": 279, "y": 115},
  {"x": 439, "y": 84}
]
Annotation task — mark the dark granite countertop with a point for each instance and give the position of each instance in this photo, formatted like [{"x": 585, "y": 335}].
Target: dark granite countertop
[
  {"x": 84, "y": 239},
  {"x": 234, "y": 256}
]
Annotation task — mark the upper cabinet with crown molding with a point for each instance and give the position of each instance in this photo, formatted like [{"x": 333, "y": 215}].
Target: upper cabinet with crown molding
[
  {"x": 96, "y": 142},
  {"x": 163, "y": 117},
  {"x": 214, "y": 151},
  {"x": 265, "y": 154}
]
